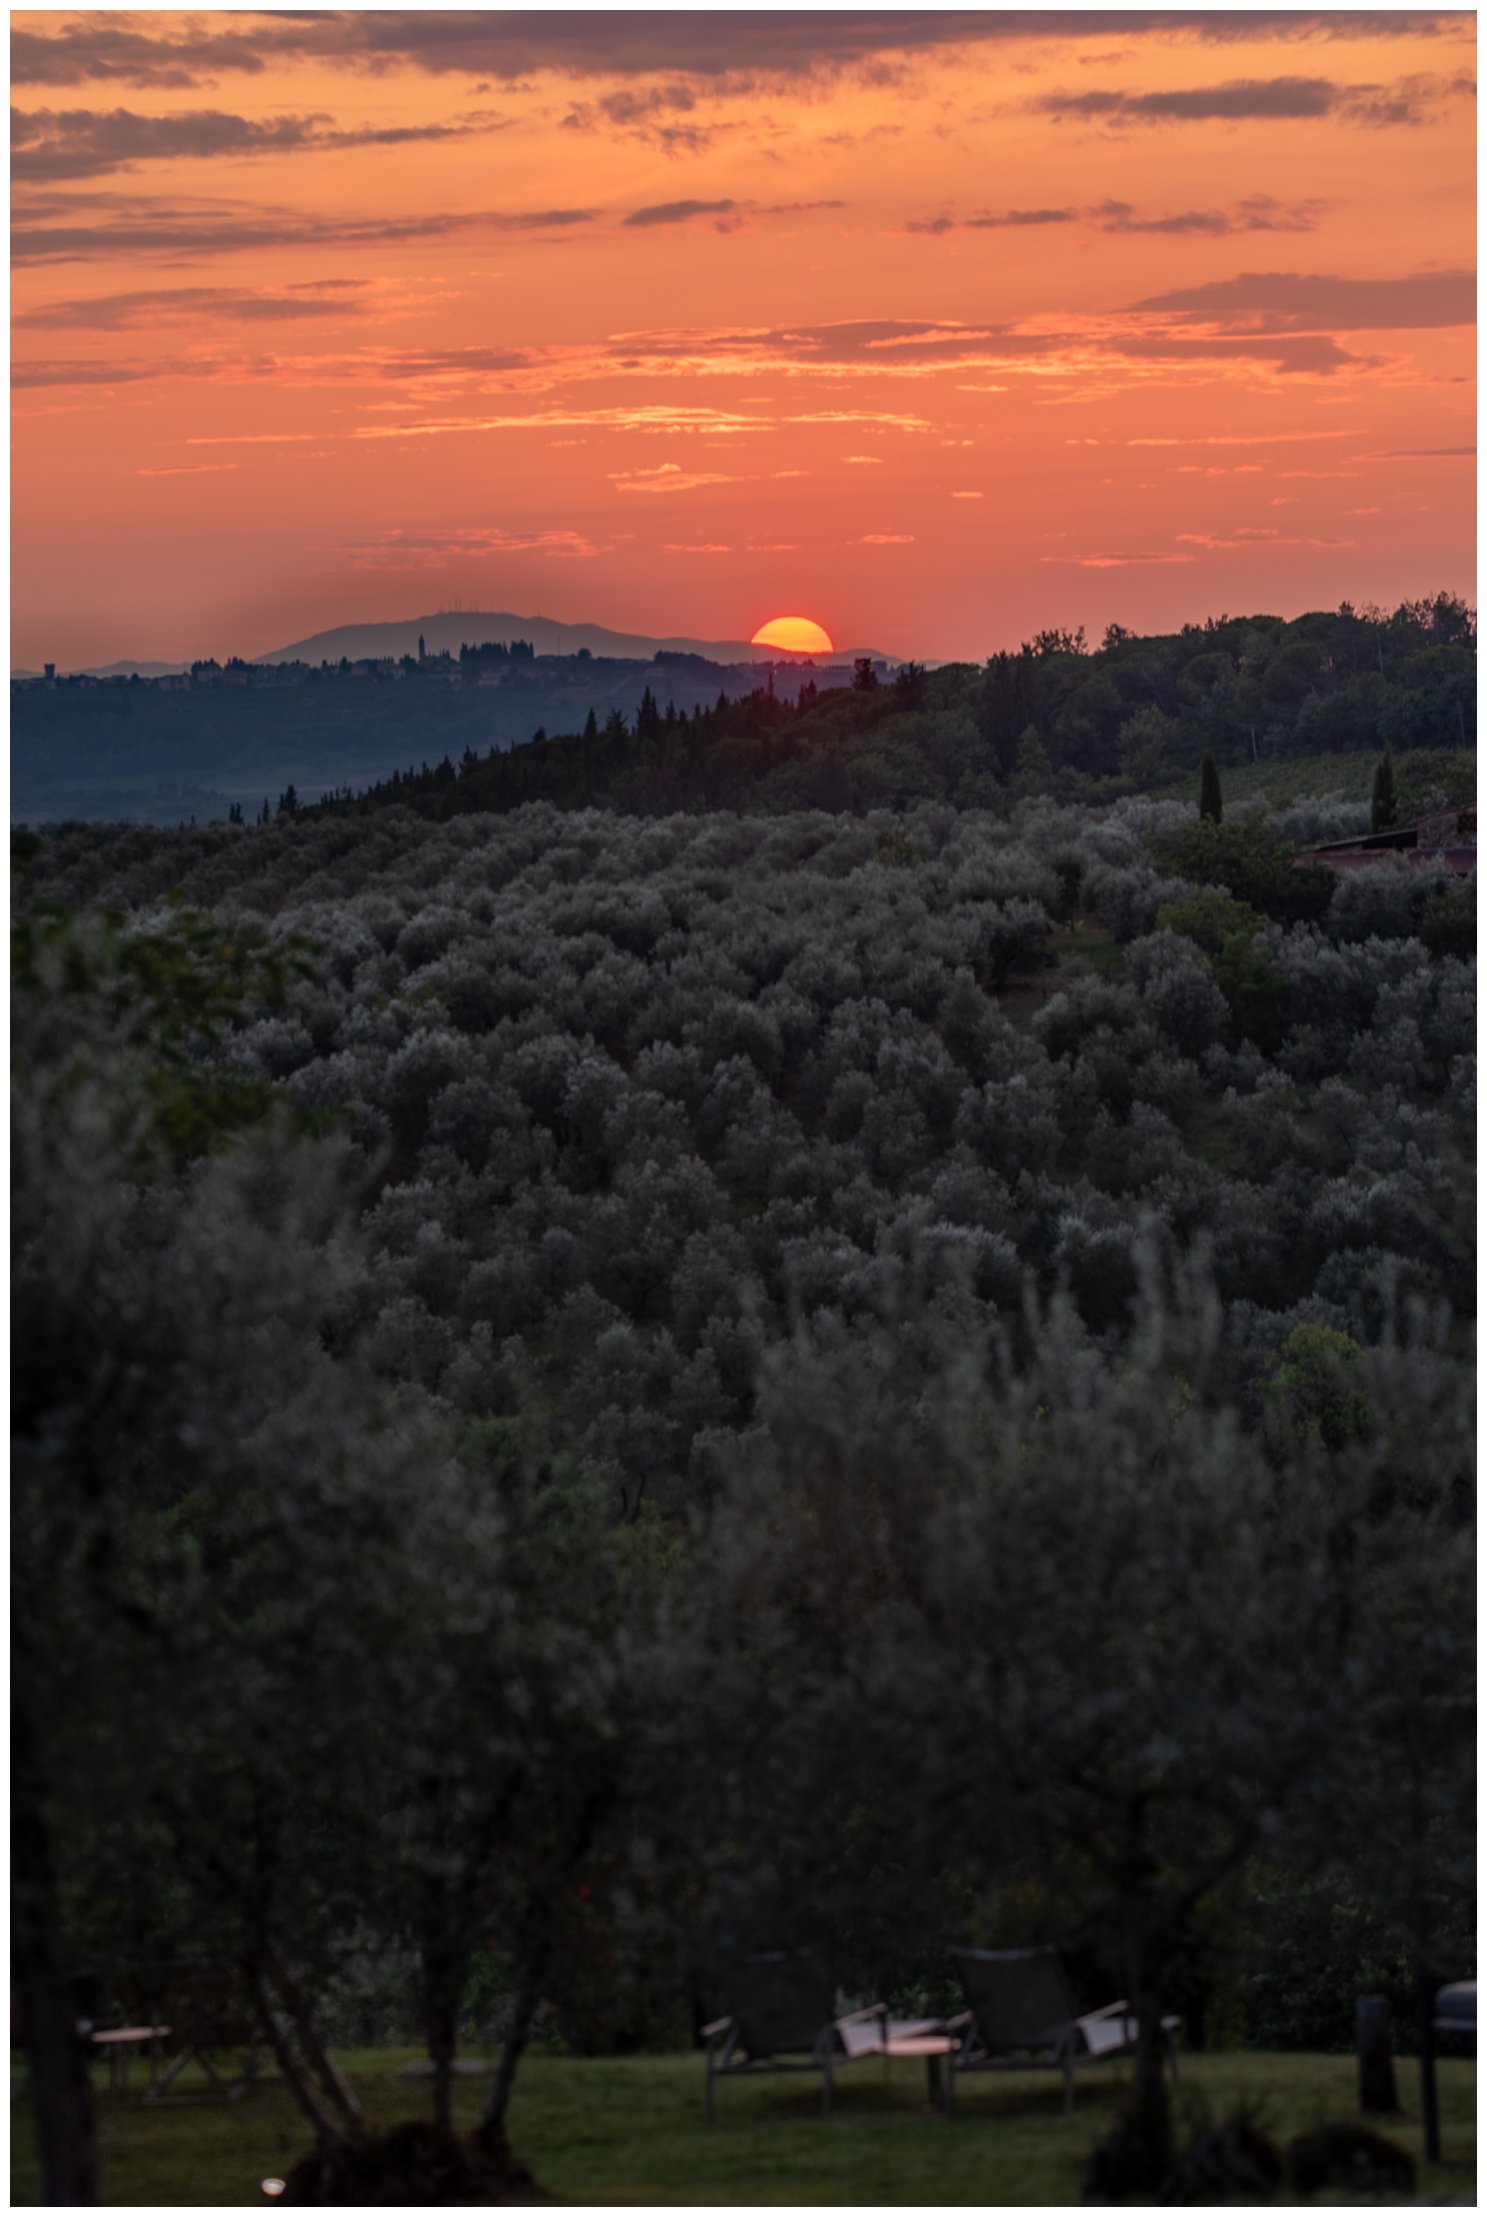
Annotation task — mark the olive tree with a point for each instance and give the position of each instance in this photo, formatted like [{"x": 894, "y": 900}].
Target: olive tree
[{"x": 1081, "y": 1608}]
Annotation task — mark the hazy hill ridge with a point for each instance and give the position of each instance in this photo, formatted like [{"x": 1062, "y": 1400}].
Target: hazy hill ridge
[{"x": 448, "y": 630}]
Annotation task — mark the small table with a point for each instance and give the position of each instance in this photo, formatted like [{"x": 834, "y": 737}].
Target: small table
[
  {"x": 119, "y": 2043},
  {"x": 935, "y": 2047}
]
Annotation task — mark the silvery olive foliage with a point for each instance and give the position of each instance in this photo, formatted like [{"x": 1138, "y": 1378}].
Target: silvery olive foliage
[
  {"x": 744, "y": 1208},
  {"x": 982, "y": 1609},
  {"x": 632, "y": 1094}
]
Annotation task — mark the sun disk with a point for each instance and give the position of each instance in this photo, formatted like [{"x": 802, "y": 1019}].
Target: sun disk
[{"x": 796, "y": 634}]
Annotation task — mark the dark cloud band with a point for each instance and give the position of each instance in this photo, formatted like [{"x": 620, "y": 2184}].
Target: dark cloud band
[{"x": 511, "y": 44}]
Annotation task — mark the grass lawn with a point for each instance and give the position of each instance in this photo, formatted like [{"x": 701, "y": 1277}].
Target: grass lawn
[
  {"x": 631, "y": 2130},
  {"x": 1297, "y": 777}
]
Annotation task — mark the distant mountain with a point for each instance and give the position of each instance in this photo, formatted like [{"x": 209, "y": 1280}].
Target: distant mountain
[{"x": 447, "y": 632}]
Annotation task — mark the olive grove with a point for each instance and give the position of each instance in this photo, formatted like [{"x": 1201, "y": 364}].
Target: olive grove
[{"x": 739, "y": 1309}]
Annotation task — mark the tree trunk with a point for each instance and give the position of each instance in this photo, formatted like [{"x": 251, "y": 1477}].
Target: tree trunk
[
  {"x": 1151, "y": 2107},
  {"x": 60, "y": 2088},
  {"x": 540, "y": 1926},
  {"x": 1376, "y": 2091},
  {"x": 315, "y": 2052},
  {"x": 441, "y": 1992},
  {"x": 321, "y": 2122},
  {"x": 528, "y": 1995}
]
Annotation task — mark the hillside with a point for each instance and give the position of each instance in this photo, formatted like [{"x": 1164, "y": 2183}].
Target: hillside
[
  {"x": 1267, "y": 699},
  {"x": 447, "y": 630},
  {"x": 491, "y": 730}
]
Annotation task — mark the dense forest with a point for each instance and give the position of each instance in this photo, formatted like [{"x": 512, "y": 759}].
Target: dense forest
[
  {"x": 1054, "y": 717},
  {"x": 663, "y": 1377},
  {"x": 226, "y": 737}
]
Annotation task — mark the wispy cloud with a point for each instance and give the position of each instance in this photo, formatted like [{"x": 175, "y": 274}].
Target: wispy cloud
[
  {"x": 1117, "y": 561},
  {"x": 679, "y": 211},
  {"x": 199, "y": 231},
  {"x": 1121, "y": 218},
  {"x": 1407, "y": 101},
  {"x": 323, "y": 297},
  {"x": 51, "y": 144},
  {"x": 1288, "y": 300},
  {"x": 653, "y": 416},
  {"x": 1010, "y": 219},
  {"x": 669, "y": 477},
  {"x": 187, "y": 49},
  {"x": 415, "y": 550},
  {"x": 724, "y": 215}
]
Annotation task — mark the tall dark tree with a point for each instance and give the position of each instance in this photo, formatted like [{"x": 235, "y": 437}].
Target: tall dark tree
[
  {"x": 1384, "y": 806},
  {"x": 647, "y": 717},
  {"x": 1210, "y": 792}
]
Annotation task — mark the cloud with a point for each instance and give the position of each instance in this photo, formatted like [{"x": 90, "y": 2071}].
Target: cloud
[
  {"x": 1416, "y": 453},
  {"x": 51, "y": 144},
  {"x": 98, "y": 50},
  {"x": 1284, "y": 300},
  {"x": 1243, "y": 438},
  {"x": 514, "y": 44},
  {"x": 35, "y": 376},
  {"x": 655, "y": 416},
  {"x": 1245, "y": 536},
  {"x": 368, "y": 365},
  {"x": 728, "y": 214},
  {"x": 330, "y": 296},
  {"x": 197, "y": 231},
  {"x": 414, "y": 550},
  {"x": 1260, "y": 212},
  {"x": 678, "y": 211},
  {"x": 1120, "y": 218},
  {"x": 968, "y": 496},
  {"x": 187, "y": 469},
  {"x": 1117, "y": 561},
  {"x": 1012, "y": 219},
  {"x": 1290, "y": 356},
  {"x": 1409, "y": 100},
  {"x": 863, "y": 415},
  {"x": 886, "y": 539},
  {"x": 670, "y": 477},
  {"x": 671, "y": 546}
]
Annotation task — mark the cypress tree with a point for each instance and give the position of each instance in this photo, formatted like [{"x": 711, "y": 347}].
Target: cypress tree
[
  {"x": 1385, "y": 804},
  {"x": 1210, "y": 793}
]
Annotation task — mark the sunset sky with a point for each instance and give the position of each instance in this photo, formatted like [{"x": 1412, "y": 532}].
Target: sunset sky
[{"x": 936, "y": 327}]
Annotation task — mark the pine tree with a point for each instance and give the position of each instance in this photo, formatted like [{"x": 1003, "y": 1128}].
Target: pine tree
[
  {"x": 1385, "y": 805},
  {"x": 591, "y": 726},
  {"x": 1210, "y": 793}
]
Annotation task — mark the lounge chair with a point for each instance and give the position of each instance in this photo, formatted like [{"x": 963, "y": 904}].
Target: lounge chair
[
  {"x": 780, "y": 2018},
  {"x": 1022, "y": 2017}
]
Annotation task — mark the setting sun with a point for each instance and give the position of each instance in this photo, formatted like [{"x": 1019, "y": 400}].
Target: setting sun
[{"x": 796, "y": 634}]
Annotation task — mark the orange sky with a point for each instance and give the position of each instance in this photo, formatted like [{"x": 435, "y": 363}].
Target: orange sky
[{"x": 938, "y": 328}]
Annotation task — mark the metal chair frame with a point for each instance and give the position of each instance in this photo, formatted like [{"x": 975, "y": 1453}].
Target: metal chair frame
[{"x": 1061, "y": 2045}]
